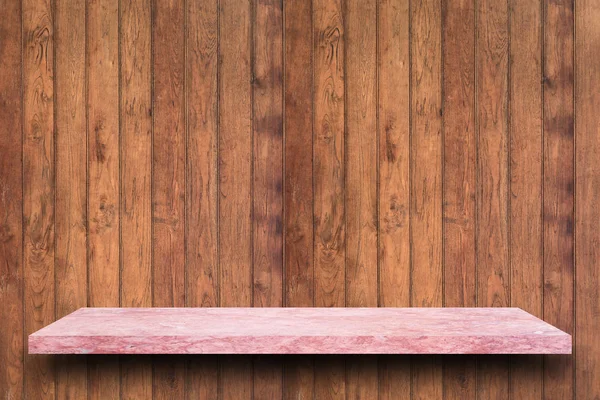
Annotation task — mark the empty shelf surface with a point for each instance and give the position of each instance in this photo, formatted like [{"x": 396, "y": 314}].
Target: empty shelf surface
[{"x": 300, "y": 331}]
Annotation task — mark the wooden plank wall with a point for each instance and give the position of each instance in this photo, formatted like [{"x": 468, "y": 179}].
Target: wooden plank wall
[{"x": 322, "y": 153}]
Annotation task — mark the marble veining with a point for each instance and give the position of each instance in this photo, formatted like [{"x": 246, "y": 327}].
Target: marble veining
[{"x": 300, "y": 331}]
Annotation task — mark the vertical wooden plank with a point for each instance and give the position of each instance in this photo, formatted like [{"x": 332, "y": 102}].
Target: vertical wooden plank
[
  {"x": 136, "y": 150},
  {"x": 526, "y": 254},
  {"x": 298, "y": 379},
  {"x": 394, "y": 377},
  {"x": 103, "y": 151},
  {"x": 169, "y": 184},
  {"x": 235, "y": 153},
  {"x": 299, "y": 266},
  {"x": 459, "y": 179},
  {"x": 558, "y": 188},
  {"x": 235, "y": 180},
  {"x": 11, "y": 203},
  {"x": 426, "y": 179},
  {"x": 587, "y": 182},
  {"x": 267, "y": 79},
  {"x": 492, "y": 180},
  {"x": 201, "y": 70},
  {"x": 267, "y": 196},
  {"x": 329, "y": 131},
  {"x": 71, "y": 184},
  {"x": 201, "y": 181},
  {"x": 459, "y": 153},
  {"x": 361, "y": 180},
  {"x": 393, "y": 38},
  {"x": 38, "y": 186},
  {"x": 330, "y": 378},
  {"x": 361, "y": 159},
  {"x": 329, "y": 176},
  {"x": 136, "y": 180},
  {"x": 102, "y": 44},
  {"x": 168, "y": 154},
  {"x": 394, "y": 110}
]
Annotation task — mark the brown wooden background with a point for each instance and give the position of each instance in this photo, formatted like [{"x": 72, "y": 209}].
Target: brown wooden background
[{"x": 305, "y": 153}]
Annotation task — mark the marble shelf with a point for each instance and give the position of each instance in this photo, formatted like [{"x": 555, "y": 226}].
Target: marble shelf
[{"x": 299, "y": 331}]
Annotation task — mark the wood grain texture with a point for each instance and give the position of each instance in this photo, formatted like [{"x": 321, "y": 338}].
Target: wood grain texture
[
  {"x": 103, "y": 215},
  {"x": 587, "y": 197},
  {"x": 136, "y": 179},
  {"x": 102, "y": 60},
  {"x": 235, "y": 154},
  {"x": 362, "y": 380},
  {"x": 558, "y": 187},
  {"x": 361, "y": 180},
  {"x": 394, "y": 153},
  {"x": 459, "y": 180},
  {"x": 235, "y": 180},
  {"x": 11, "y": 202},
  {"x": 267, "y": 167},
  {"x": 329, "y": 171},
  {"x": 202, "y": 180},
  {"x": 298, "y": 195},
  {"x": 71, "y": 183},
  {"x": 38, "y": 187},
  {"x": 394, "y": 377},
  {"x": 426, "y": 179},
  {"x": 394, "y": 257},
  {"x": 202, "y": 142},
  {"x": 267, "y": 157},
  {"x": 136, "y": 153},
  {"x": 493, "y": 273},
  {"x": 169, "y": 180},
  {"x": 298, "y": 378},
  {"x": 361, "y": 155},
  {"x": 526, "y": 191},
  {"x": 503, "y": 80},
  {"x": 168, "y": 154},
  {"x": 328, "y": 154},
  {"x": 330, "y": 379},
  {"x": 298, "y": 371},
  {"x": 459, "y": 153}
]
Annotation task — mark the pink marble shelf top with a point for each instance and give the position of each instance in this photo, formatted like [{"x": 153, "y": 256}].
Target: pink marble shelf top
[{"x": 300, "y": 331}]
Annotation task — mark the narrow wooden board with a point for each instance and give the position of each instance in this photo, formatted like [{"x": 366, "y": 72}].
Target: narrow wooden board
[
  {"x": 493, "y": 267},
  {"x": 168, "y": 177},
  {"x": 273, "y": 330},
  {"x": 267, "y": 157},
  {"x": 267, "y": 167},
  {"x": 587, "y": 197},
  {"x": 559, "y": 189},
  {"x": 71, "y": 183},
  {"x": 361, "y": 158},
  {"x": 201, "y": 44},
  {"x": 38, "y": 187},
  {"x": 102, "y": 60},
  {"x": 298, "y": 378},
  {"x": 361, "y": 180},
  {"x": 299, "y": 263},
  {"x": 526, "y": 190},
  {"x": 103, "y": 215},
  {"x": 394, "y": 257},
  {"x": 329, "y": 130},
  {"x": 11, "y": 202},
  {"x": 235, "y": 180},
  {"x": 426, "y": 156},
  {"x": 136, "y": 179},
  {"x": 329, "y": 164},
  {"x": 458, "y": 176}
]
